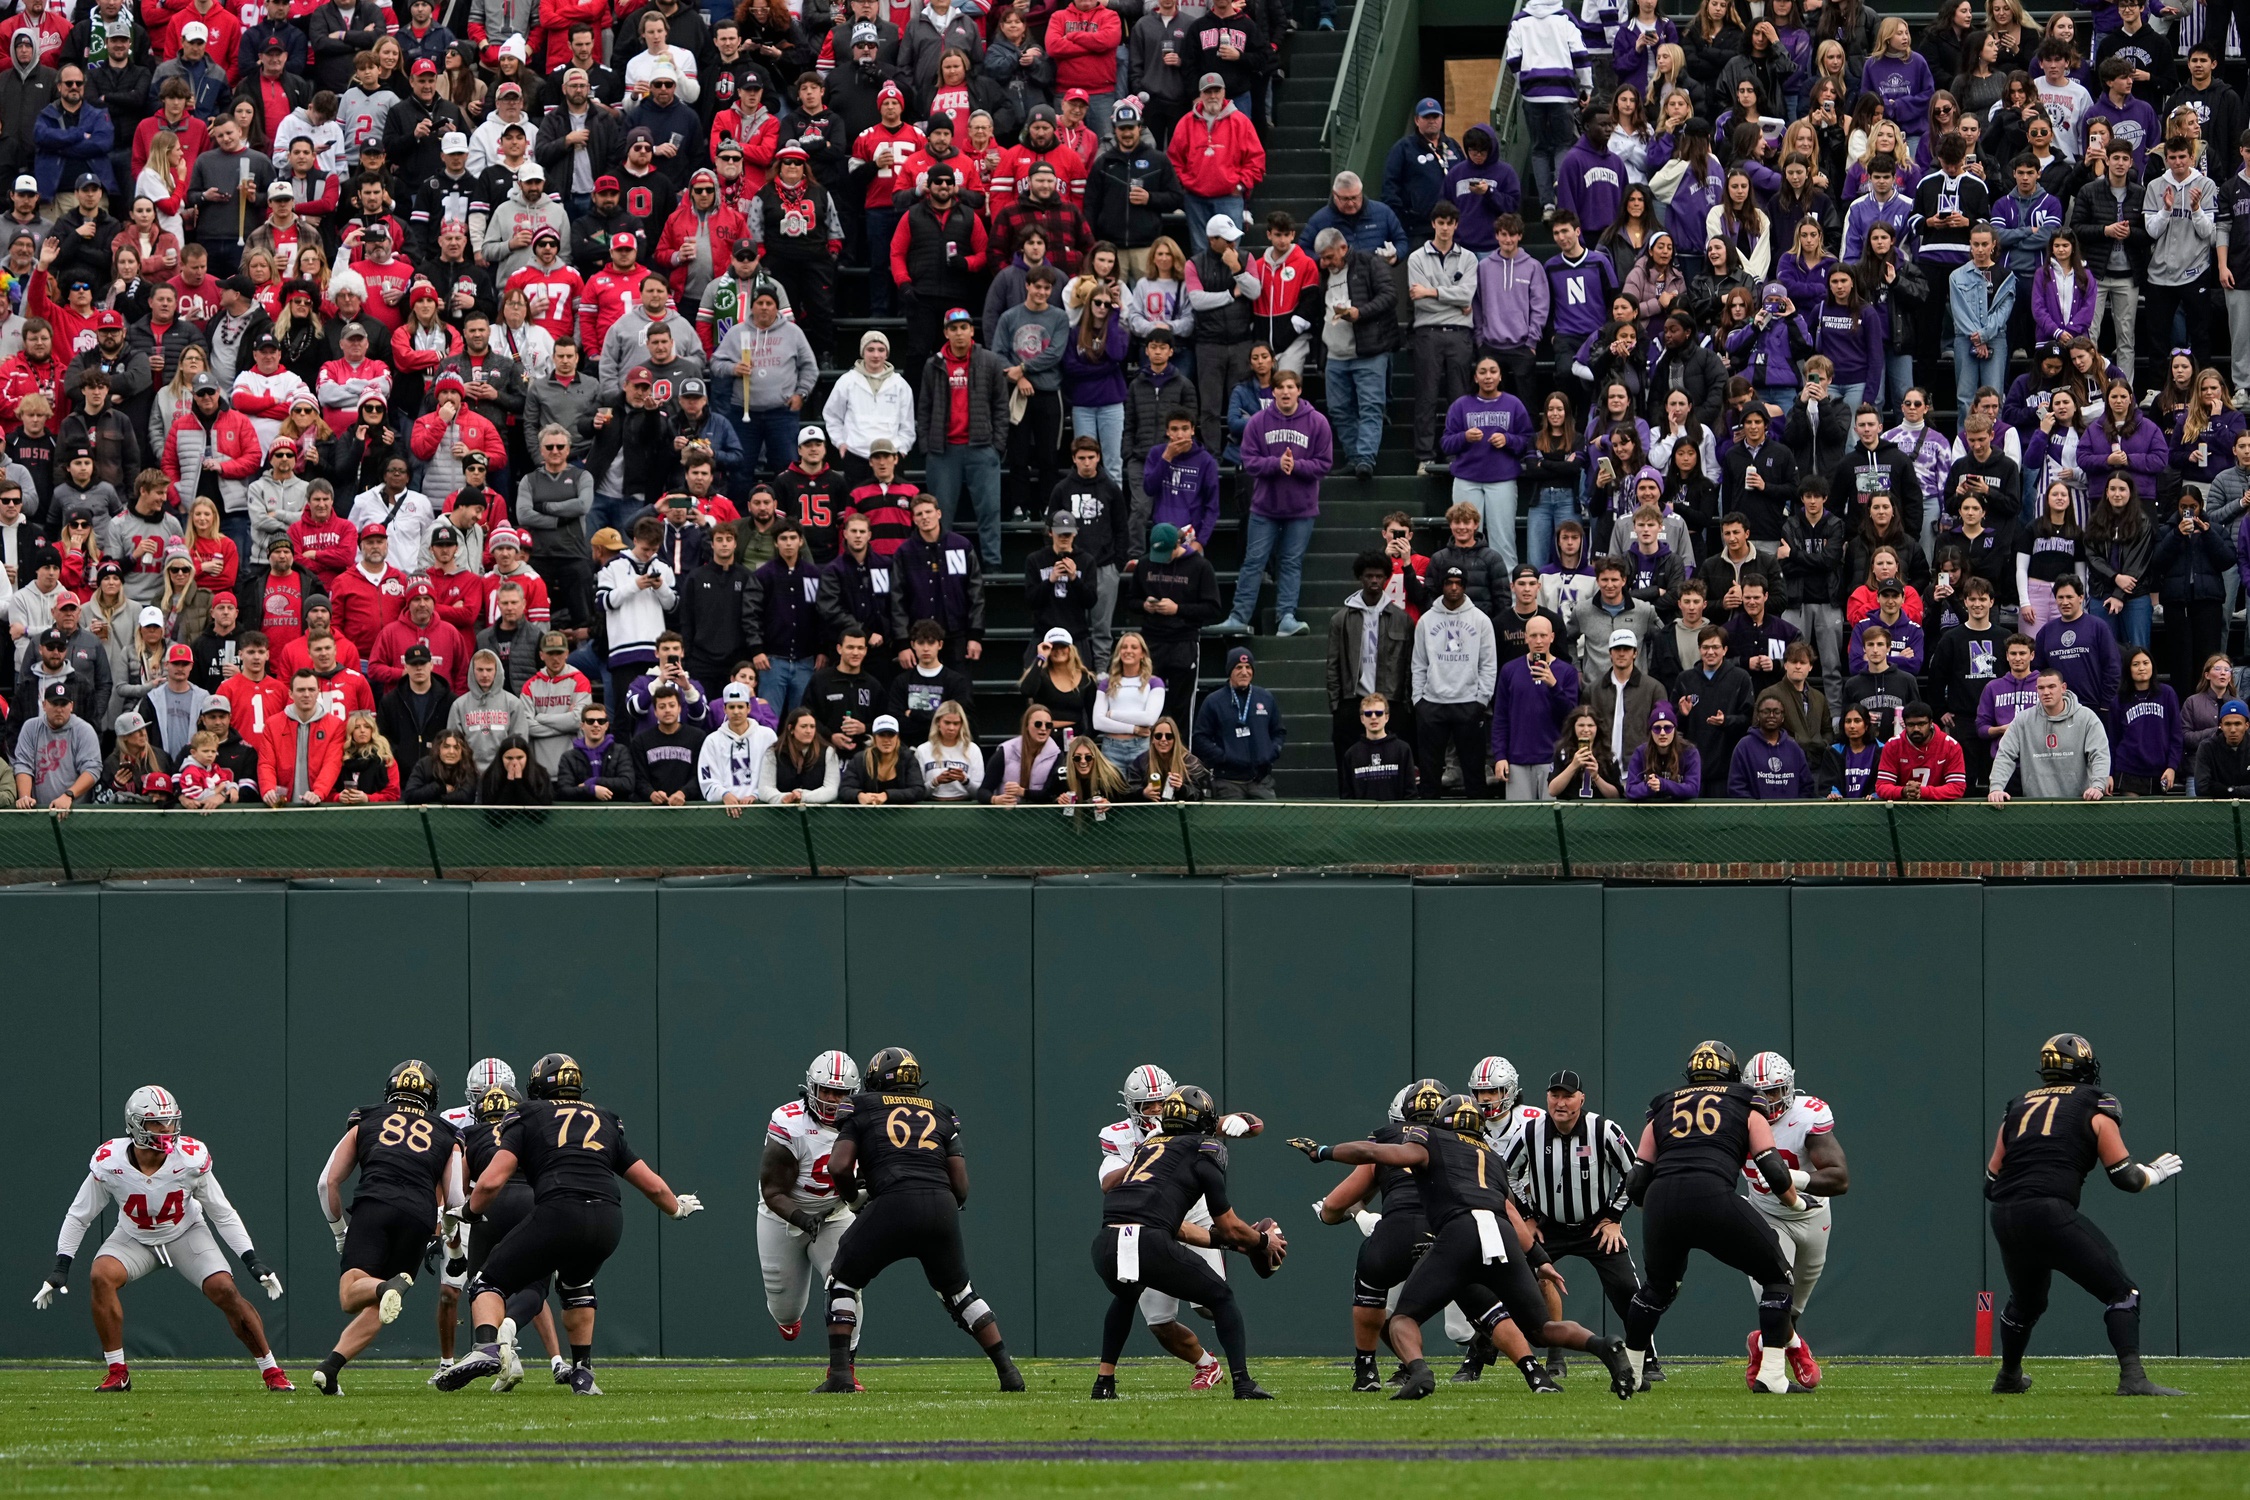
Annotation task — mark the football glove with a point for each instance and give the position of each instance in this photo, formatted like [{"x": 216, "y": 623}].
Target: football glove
[
  {"x": 56, "y": 1285},
  {"x": 687, "y": 1204},
  {"x": 271, "y": 1281},
  {"x": 1306, "y": 1144},
  {"x": 1234, "y": 1126},
  {"x": 339, "y": 1228},
  {"x": 1366, "y": 1221},
  {"x": 810, "y": 1222},
  {"x": 1799, "y": 1180},
  {"x": 2165, "y": 1166}
]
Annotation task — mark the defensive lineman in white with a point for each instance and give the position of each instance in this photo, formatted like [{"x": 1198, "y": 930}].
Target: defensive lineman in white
[
  {"x": 168, "y": 1203},
  {"x": 1143, "y": 1097},
  {"x": 800, "y": 1218},
  {"x": 1804, "y": 1132}
]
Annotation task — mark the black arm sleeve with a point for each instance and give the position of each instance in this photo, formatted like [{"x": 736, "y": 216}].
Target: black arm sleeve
[
  {"x": 2127, "y": 1177},
  {"x": 1776, "y": 1170},
  {"x": 1637, "y": 1180}
]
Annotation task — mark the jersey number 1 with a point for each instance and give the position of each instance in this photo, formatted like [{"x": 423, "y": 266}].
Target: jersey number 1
[{"x": 174, "y": 1210}]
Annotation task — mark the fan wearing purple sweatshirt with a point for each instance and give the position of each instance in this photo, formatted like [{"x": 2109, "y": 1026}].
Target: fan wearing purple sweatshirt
[{"x": 1287, "y": 449}]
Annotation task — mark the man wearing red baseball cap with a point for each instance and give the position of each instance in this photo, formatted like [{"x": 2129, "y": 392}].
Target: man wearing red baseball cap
[
  {"x": 419, "y": 625},
  {"x": 174, "y": 706},
  {"x": 610, "y": 290},
  {"x": 367, "y": 596}
]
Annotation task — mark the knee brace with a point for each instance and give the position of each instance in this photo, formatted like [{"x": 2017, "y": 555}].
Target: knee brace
[
  {"x": 1653, "y": 1302},
  {"x": 843, "y": 1303},
  {"x": 1776, "y": 1294},
  {"x": 1364, "y": 1295},
  {"x": 2130, "y": 1304},
  {"x": 1491, "y": 1318},
  {"x": 966, "y": 1308},
  {"x": 478, "y": 1286},
  {"x": 581, "y": 1295}
]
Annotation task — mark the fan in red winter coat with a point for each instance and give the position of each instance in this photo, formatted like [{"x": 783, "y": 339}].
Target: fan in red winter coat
[
  {"x": 1922, "y": 765},
  {"x": 420, "y": 625},
  {"x": 365, "y": 598},
  {"x": 702, "y": 230},
  {"x": 1041, "y": 143},
  {"x": 277, "y": 747}
]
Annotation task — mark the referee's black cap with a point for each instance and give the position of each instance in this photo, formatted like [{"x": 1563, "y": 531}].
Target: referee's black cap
[{"x": 1566, "y": 1081}]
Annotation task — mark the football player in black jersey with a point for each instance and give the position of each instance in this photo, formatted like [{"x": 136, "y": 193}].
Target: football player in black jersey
[
  {"x": 1685, "y": 1178},
  {"x": 480, "y": 1142},
  {"x": 1144, "y": 1231},
  {"x": 1480, "y": 1256},
  {"x": 2050, "y": 1138},
  {"x": 403, "y": 1151},
  {"x": 573, "y": 1152},
  {"x": 1399, "y": 1237},
  {"x": 903, "y": 1150}
]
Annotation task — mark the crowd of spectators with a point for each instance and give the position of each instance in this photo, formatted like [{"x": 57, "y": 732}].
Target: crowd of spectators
[{"x": 422, "y": 483}]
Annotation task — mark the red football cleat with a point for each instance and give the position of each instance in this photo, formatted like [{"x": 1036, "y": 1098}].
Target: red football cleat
[
  {"x": 1756, "y": 1344},
  {"x": 277, "y": 1379},
  {"x": 1803, "y": 1368},
  {"x": 120, "y": 1379},
  {"x": 790, "y": 1331},
  {"x": 1206, "y": 1375}
]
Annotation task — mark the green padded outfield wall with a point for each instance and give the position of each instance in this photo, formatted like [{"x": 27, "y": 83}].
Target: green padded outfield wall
[{"x": 274, "y": 1008}]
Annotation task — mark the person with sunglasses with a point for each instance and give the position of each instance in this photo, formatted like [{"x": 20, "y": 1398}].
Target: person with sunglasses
[
  {"x": 1379, "y": 766},
  {"x": 1167, "y": 771},
  {"x": 1027, "y": 768}
]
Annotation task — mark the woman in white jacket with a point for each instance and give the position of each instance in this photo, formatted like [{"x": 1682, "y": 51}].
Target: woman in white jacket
[
  {"x": 799, "y": 767},
  {"x": 952, "y": 765},
  {"x": 871, "y": 400},
  {"x": 1127, "y": 701}
]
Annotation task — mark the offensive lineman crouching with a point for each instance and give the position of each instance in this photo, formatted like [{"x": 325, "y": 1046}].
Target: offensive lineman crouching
[{"x": 1145, "y": 1240}]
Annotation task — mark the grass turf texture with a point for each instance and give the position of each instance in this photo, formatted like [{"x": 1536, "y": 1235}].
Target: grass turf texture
[{"x": 695, "y": 1429}]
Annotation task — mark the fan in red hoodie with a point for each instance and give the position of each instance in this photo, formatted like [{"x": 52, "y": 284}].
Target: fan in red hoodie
[
  {"x": 420, "y": 625},
  {"x": 297, "y": 655},
  {"x": 612, "y": 289},
  {"x": 343, "y": 690},
  {"x": 254, "y": 694},
  {"x": 1922, "y": 765},
  {"x": 176, "y": 114},
  {"x": 459, "y": 587},
  {"x": 48, "y": 23},
  {"x": 366, "y": 597},
  {"x": 1041, "y": 143},
  {"x": 73, "y": 319},
  {"x": 326, "y": 542},
  {"x": 32, "y": 368},
  {"x": 277, "y": 747},
  {"x": 1083, "y": 41},
  {"x": 882, "y": 174}
]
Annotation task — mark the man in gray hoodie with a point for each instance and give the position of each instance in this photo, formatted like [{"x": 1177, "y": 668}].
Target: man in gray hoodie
[
  {"x": 2062, "y": 751},
  {"x": 762, "y": 373},
  {"x": 626, "y": 344},
  {"x": 487, "y": 713},
  {"x": 1456, "y": 667},
  {"x": 526, "y": 210}
]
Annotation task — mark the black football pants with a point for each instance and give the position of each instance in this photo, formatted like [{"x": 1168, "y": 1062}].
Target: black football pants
[
  {"x": 1680, "y": 1215},
  {"x": 1169, "y": 1267},
  {"x": 2040, "y": 1236}
]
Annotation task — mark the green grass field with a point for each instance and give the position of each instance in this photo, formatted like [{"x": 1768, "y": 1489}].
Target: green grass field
[{"x": 939, "y": 1428}]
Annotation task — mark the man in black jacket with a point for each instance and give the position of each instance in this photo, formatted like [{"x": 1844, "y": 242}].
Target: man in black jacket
[
  {"x": 2222, "y": 766},
  {"x": 710, "y": 613},
  {"x": 1059, "y": 590},
  {"x": 1760, "y": 482},
  {"x": 2113, "y": 242},
  {"x": 855, "y": 593},
  {"x": 1818, "y": 427},
  {"x": 1104, "y": 539},
  {"x": 1169, "y": 596},
  {"x": 1964, "y": 659},
  {"x": 928, "y": 681},
  {"x": 339, "y": 31},
  {"x": 1873, "y": 466},
  {"x": 844, "y": 696},
  {"x": 961, "y": 414},
  {"x": 418, "y": 124},
  {"x": 1811, "y": 559},
  {"x": 1356, "y": 338},
  {"x": 576, "y": 123},
  {"x": 238, "y": 758},
  {"x": 1714, "y": 698},
  {"x": 936, "y": 575},
  {"x": 937, "y": 259},
  {"x": 1129, "y": 189},
  {"x": 1685, "y": 365},
  {"x": 412, "y": 714}
]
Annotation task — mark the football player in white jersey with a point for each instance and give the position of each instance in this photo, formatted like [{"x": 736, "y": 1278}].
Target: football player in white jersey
[
  {"x": 800, "y": 1217},
  {"x": 485, "y": 1075},
  {"x": 1804, "y": 1132},
  {"x": 168, "y": 1205},
  {"x": 1143, "y": 1098}
]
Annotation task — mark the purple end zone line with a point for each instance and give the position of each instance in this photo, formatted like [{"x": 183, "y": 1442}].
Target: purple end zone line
[{"x": 1111, "y": 1452}]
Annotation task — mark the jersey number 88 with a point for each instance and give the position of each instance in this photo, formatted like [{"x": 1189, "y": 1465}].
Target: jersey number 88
[{"x": 416, "y": 1136}]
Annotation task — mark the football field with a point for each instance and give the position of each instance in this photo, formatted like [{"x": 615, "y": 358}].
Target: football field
[{"x": 939, "y": 1428}]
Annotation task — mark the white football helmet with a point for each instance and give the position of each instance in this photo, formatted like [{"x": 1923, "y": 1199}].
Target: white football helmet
[
  {"x": 152, "y": 1118},
  {"x": 1774, "y": 1081},
  {"x": 832, "y": 1079},
  {"x": 487, "y": 1074},
  {"x": 1145, "y": 1086},
  {"x": 1496, "y": 1073}
]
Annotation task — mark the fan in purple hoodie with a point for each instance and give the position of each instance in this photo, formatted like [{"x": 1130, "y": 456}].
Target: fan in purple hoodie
[
  {"x": 2148, "y": 452},
  {"x": 1590, "y": 179},
  {"x": 1665, "y": 768},
  {"x": 1482, "y": 187},
  {"x": 1702, "y": 183},
  {"x": 1900, "y": 77},
  {"x": 2048, "y": 320}
]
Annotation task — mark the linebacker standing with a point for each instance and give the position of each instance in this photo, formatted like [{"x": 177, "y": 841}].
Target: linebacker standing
[
  {"x": 1148, "y": 1244},
  {"x": 573, "y": 1152},
  {"x": 1694, "y": 1144},
  {"x": 2050, "y": 1137},
  {"x": 904, "y": 1148}
]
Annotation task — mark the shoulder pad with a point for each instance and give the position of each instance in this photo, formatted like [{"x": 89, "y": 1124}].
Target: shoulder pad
[
  {"x": 2107, "y": 1104},
  {"x": 196, "y": 1152},
  {"x": 352, "y": 1120},
  {"x": 1213, "y": 1147},
  {"x": 1414, "y": 1135},
  {"x": 1530, "y": 1112},
  {"x": 790, "y": 1111},
  {"x": 108, "y": 1151},
  {"x": 1818, "y": 1115}
]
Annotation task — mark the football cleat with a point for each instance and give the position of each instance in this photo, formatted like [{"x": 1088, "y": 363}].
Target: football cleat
[
  {"x": 277, "y": 1379},
  {"x": 1755, "y": 1347},
  {"x": 511, "y": 1362},
  {"x": 1011, "y": 1378},
  {"x": 327, "y": 1384},
  {"x": 481, "y": 1361},
  {"x": 2010, "y": 1383},
  {"x": 1398, "y": 1377},
  {"x": 1419, "y": 1382},
  {"x": 1250, "y": 1390},
  {"x": 1206, "y": 1374},
  {"x": 1652, "y": 1373},
  {"x": 582, "y": 1381},
  {"x": 789, "y": 1331},
  {"x": 1622, "y": 1381},
  {"x": 561, "y": 1368},
  {"x": 1105, "y": 1388},
  {"x": 2132, "y": 1380},
  {"x": 1366, "y": 1380},
  {"x": 119, "y": 1379},
  {"x": 1558, "y": 1364},
  {"x": 1803, "y": 1368},
  {"x": 1774, "y": 1081},
  {"x": 1470, "y": 1373},
  {"x": 837, "y": 1385},
  {"x": 1542, "y": 1386},
  {"x": 443, "y": 1365},
  {"x": 152, "y": 1118},
  {"x": 392, "y": 1301}
]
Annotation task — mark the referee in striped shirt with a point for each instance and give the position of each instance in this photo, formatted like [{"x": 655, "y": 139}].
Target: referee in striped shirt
[{"x": 1570, "y": 1164}]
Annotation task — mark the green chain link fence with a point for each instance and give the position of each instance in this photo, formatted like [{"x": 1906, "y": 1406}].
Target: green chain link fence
[{"x": 1678, "y": 842}]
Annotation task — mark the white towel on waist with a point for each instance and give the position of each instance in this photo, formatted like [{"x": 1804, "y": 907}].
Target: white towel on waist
[
  {"x": 1491, "y": 1246},
  {"x": 1129, "y": 1253}
]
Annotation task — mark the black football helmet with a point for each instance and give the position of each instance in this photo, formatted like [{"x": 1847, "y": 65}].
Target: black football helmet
[
  {"x": 1188, "y": 1110},
  {"x": 557, "y": 1076},
  {"x": 494, "y": 1104},
  {"x": 892, "y": 1069},
  {"x": 1713, "y": 1062},
  {"x": 1424, "y": 1098},
  {"x": 413, "y": 1086},
  {"x": 1461, "y": 1114},
  {"x": 2068, "y": 1058}
]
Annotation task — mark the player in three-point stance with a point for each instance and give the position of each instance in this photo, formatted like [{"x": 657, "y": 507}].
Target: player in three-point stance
[
  {"x": 2050, "y": 1138},
  {"x": 800, "y": 1219},
  {"x": 902, "y": 1148},
  {"x": 1143, "y": 1096},
  {"x": 1691, "y": 1151},
  {"x": 573, "y": 1152},
  {"x": 475, "y": 1121},
  {"x": 1481, "y": 1255},
  {"x": 1148, "y": 1242},
  {"x": 1804, "y": 1132},
  {"x": 1395, "y": 1240},
  {"x": 404, "y": 1153},
  {"x": 168, "y": 1204}
]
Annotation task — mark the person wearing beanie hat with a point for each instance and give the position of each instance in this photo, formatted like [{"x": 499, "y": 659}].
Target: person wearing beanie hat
[
  {"x": 1042, "y": 142},
  {"x": 1239, "y": 733},
  {"x": 870, "y": 400},
  {"x": 797, "y": 236},
  {"x": 879, "y": 158},
  {"x": 2222, "y": 764},
  {"x": 1664, "y": 768}
]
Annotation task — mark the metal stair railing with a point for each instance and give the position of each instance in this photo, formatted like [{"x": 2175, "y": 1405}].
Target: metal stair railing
[{"x": 1340, "y": 131}]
